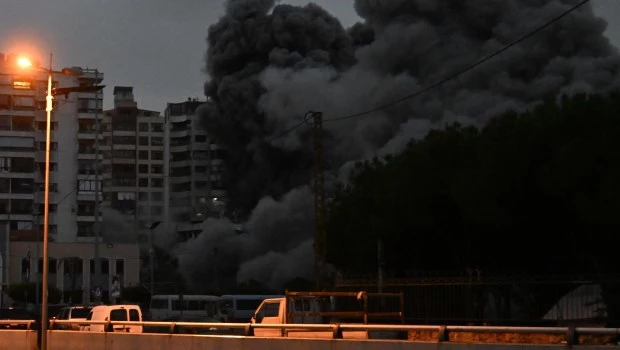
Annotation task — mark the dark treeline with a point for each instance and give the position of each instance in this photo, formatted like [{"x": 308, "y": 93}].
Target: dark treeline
[{"x": 531, "y": 194}]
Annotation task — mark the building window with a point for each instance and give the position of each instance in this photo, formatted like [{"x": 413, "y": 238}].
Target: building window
[
  {"x": 142, "y": 210},
  {"x": 143, "y": 155},
  {"x": 124, "y": 140},
  {"x": 23, "y": 102},
  {"x": 200, "y": 138},
  {"x": 105, "y": 266},
  {"x": 144, "y": 127},
  {"x": 157, "y": 141},
  {"x": 144, "y": 196},
  {"x": 157, "y": 155},
  {"x": 5, "y": 101},
  {"x": 120, "y": 267},
  {"x": 157, "y": 169},
  {"x": 22, "y": 85},
  {"x": 89, "y": 105},
  {"x": 126, "y": 196},
  {"x": 84, "y": 229},
  {"x": 143, "y": 182},
  {"x": 157, "y": 210},
  {"x": 73, "y": 266},
  {"x": 144, "y": 141},
  {"x": 157, "y": 127},
  {"x": 25, "y": 265},
  {"x": 143, "y": 169},
  {"x": 157, "y": 183},
  {"x": 89, "y": 186},
  {"x": 157, "y": 196},
  {"x": 51, "y": 265}
]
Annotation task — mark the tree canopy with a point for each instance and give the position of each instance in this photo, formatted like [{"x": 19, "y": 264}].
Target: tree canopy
[{"x": 536, "y": 192}]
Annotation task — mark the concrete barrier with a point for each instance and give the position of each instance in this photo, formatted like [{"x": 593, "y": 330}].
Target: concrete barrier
[
  {"x": 71, "y": 340},
  {"x": 18, "y": 340},
  {"x": 67, "y": 340}
]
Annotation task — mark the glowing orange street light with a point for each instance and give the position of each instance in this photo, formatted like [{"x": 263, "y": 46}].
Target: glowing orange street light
[{"x": 24, "y": 62}]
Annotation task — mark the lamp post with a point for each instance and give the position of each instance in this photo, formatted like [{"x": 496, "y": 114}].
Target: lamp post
[{"x": 26, "y": 63}]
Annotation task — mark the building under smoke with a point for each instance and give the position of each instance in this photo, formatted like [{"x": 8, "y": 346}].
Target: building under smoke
[{"x": 269, "y": 64}]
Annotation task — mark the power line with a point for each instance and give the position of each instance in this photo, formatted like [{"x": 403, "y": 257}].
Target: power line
[{"x": 448, "y": 78}]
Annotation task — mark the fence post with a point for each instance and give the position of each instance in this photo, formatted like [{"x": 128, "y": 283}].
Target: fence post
[
  {"x": 248, "y": 330},
  {"x": 572, "y": 337},
  {"x": 336, "y": 331},
  {"x": 442, "y": 334}
]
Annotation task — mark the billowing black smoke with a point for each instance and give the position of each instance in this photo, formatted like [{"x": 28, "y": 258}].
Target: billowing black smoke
[{"x": 269, "y": 65}]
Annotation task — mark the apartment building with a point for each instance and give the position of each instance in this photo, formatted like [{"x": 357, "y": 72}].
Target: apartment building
[
  {"x": 195, "y": 166},
  {"x": 134, "y": 162},
  {"x": 74, "y": 186}
]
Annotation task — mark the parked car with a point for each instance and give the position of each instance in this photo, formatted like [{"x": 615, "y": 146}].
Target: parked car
[
  {"x": 114, "y": 313},
  {"x": 74, "y": 313}
]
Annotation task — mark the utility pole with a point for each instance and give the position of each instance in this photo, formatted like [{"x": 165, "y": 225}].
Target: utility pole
[
  {"x": 97, "y": 225},
  {"x": 319, "y": 199}
]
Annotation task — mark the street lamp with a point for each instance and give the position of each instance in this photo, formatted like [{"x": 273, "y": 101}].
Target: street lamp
[{"x": 26, "y": 63}]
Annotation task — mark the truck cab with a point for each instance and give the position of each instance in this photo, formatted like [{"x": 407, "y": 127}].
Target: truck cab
[{"x": 283, "y": 311}]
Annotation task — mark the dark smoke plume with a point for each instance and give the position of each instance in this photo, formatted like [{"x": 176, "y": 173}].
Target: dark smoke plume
[{"x": 269, "y": 65}]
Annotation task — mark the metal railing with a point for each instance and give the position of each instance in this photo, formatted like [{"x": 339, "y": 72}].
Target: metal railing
[{"x": 441, "y": 333}]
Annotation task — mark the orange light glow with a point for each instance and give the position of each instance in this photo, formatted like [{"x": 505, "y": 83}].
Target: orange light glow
[{"x": 24, "y": 62}]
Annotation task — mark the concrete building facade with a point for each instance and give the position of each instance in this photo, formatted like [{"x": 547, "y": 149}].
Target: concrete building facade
[
  {"x": 196, "y": 163},
  {"x": 73, "y": 181},
  {"x": 71, "y": 267},
  {"x": 134, "y": 163}
]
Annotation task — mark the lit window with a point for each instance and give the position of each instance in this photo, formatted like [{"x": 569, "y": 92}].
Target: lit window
[{"x": 22, "y": 85}]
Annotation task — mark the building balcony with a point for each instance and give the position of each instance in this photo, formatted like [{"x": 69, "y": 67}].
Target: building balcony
[
  {"x": 88, "y": 135},
  {"x": 181, "y": 148},
  {"x": 120, "y": 161},
  {"x": 7, "y": 195},
  {"x": 18, "y": 173},
  {"x": 200, "y": 147},
  {"x": 179, "y": 133},
  {"x": 89, "y": 156},
  {"x": 120, "y": 188},
  {"x": 15, "y": 217},
  {"x": 18, "y": 133},
  {"x": 123, "y": 133},
  {"x": 87, "y": 218},
  {"x": 11, "y": 153},
  {"x": 180, "y": 163},
  {"x": 26, "y": 112},
  {"x": 40, "y": 136},
  {"x": 178, "y": 118},
  {"x": 125, "y": 147},
  {"x": 40, "y": 156},
  {"x": 88, "y": 196},
  {"x": 88, "y": 115},
  {"x": 176, "y": 179},
  {"x": 54, "y": 196}
]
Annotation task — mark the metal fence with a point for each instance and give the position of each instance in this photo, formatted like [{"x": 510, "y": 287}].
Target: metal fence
[{"x": 478, "y": 300}]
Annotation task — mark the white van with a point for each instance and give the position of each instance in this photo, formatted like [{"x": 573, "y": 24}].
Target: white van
[{"x": 114, "y": 313}]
